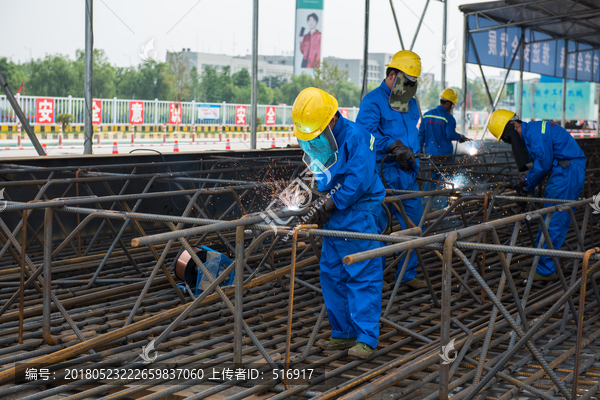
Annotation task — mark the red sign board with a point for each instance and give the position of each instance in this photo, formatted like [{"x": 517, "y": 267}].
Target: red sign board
[
  {"x": 96, "y": 112},
  {"x": 271, "y": 113},
  {"x": 344, "y": 112},
  {"x": 44, "y": 110},
  {"x": 136, "y": 112},
  {"x": 175, "y": 113},
  {"x": 240, "y": 115}
]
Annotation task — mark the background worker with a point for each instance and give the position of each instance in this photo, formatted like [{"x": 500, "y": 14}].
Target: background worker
[
  {"x": 437, "y": 131},
  {"x": 552, "y": 150},
  {"x": 341, "y": 155},
  {"x": 390, "y": 113}
]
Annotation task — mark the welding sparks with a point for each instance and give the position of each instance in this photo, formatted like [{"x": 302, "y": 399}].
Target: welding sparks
[{"x": 472, "y": 150}]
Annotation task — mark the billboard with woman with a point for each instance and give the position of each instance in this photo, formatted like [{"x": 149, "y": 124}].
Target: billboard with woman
[{"x": 309, "y": 23}]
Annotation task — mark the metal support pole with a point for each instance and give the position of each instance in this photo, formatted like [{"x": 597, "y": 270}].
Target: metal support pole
[
  {"x": 254, "y": 92},
  {"x": 598, "y": 116},
  {"x": 47, "y": 304},
  {"x": 397, "y": 26},
  {"x": 15, "y": 105},
  {"x": 446, "y": 315},
  {"x": 239, "y": 293},
  {"x": 444, "y": 27},
  {"x": 521, "y": 67},
  {"x": 463, "y": 122},
  {"x": 564, "y": 87},
  {"x": 366, "y": 51},
  {"x": 412, "y": 45},
  {"x": 88, "y": 129}
]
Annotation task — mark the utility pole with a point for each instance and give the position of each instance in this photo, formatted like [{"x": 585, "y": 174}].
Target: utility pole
[
  {"x": 254, "y": 92},
  {"x": 88, "y": 129}
]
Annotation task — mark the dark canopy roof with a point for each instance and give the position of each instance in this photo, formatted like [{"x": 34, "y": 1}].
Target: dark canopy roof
[{"x": 561, "y": 19}]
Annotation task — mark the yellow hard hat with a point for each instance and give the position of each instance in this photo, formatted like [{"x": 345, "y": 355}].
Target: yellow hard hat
[
  {"x": 312, "y": 111},
  {"x": 407, "y": 62},
  {"x": 450, "y": 95},
  {"x": 498, "y": 122}
]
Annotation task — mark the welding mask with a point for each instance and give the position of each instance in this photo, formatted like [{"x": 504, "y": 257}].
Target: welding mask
[
  {"x": 404, "y": 89},
  {"x": 520, "y": 153},
  {"x": 320, "y": 153}
]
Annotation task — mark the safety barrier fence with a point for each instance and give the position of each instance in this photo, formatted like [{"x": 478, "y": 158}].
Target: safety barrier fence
[
  {"x": 44, "y": 111},
  {"x": 90, "y": 281}
]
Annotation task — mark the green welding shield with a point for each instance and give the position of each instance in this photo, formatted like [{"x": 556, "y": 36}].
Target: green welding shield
[{"x": 320, "y": 153}]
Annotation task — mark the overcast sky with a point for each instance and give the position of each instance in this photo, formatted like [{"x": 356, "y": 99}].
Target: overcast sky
[{"x": 121, "y": 27}]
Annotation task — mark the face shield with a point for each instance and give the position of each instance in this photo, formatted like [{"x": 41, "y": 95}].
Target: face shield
[
  {"x": 520, "y": 153},
  {"x": 405, "y": 87},
  {"x": 320, "y": 153}
]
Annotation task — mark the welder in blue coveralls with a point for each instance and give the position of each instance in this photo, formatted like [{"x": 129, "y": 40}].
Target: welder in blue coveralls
[
  {"x": 390, "y": 113},
  {"x": 341, "y": 155},
  {"x": 437, "y": 131},
  {"x": 552, "y": 150}
]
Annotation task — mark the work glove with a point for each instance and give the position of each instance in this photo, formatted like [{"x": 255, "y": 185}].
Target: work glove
[
  {"x": 403, "y": 155},
  {"x": 518, "y": 183},
  {"x": 463, "y": 139},
  {"x": 321, "y": 209}
]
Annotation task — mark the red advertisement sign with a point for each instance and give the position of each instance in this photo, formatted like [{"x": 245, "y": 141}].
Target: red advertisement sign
[
  {"x": 271, "y": 113},
  {"x": 44, "y": 110},
  {"x": 344, "y": 112},
  {"x": 136, "y": 112},
  {"x": 240, "y": 115},
  {"x": 175, "y": 113},
  {"x": 96, "y": 112}
]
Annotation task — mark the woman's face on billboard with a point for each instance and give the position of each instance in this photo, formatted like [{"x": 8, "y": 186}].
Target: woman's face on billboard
[{"x": 312, "y": 23}]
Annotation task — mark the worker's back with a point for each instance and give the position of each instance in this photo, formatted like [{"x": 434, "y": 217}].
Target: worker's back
[{"x": 437, "y": 131}]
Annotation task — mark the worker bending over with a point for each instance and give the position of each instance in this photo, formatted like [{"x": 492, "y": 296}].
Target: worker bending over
[
  {"x": 436, "y": 133},
  {"x": 390, "y": 113},
  {"x": 553, "y": 151},
  {"x": 340, "y": 153}
]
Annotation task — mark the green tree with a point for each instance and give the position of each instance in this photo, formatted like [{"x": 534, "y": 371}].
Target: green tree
[
  {"x": 289, "y": 90},
  {"x": 242, "y": 78},
  {"x": 180, "y": 75},
  {"x": 15, "y": 74},
  {"x": 54, "y": 75},
  {"x": 104, "y": 75},
  {"x": 328, "y": 75}
]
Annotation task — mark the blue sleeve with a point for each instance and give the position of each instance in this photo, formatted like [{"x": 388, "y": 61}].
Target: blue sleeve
[
  {"x": 369, "y": 117},
  {"x": 360, "y": 162},
  {"x": 540, "y": 150},
  {"x": 451, "y": 133},
  {"x": 422, "y": 134}
]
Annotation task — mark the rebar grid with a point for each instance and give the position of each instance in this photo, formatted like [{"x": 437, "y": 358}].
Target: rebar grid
[{"x": 98, "y": 284}]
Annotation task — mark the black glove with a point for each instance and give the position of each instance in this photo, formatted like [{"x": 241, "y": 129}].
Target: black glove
[
  {"x": 518, "y": 183},
  {"x": 403, "y": 155},
  {"x": 321, "y": 211},
  {"x": 463, "y": 139}
]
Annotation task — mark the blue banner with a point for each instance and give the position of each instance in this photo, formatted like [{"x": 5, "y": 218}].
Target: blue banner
[{"x": 496, "y": 47}]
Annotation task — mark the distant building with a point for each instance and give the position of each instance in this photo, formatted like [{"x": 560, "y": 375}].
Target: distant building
[
  {"x": 354, "y": 67},
  {"x": 268, "y": 66}
]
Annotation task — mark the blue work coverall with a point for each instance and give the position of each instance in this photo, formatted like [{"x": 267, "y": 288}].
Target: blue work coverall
[
  {"x": 388, "y": 125},
  {"x": 353, "y": 292},
  {"x": 436, "y": 133},
  {"x": 553, "y": 149}
]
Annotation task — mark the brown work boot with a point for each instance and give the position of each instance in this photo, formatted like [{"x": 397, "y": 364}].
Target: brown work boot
[
  {"x": 416, "y": 283},
  {"x": 336, "y": 344}
]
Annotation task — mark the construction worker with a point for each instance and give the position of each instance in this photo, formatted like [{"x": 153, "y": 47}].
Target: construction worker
[
  {"x": 438, "y": 130},
  {"x": 552, "y": 150},
  {"x": 340, "y": 154},
  {"x": 390, "y": 113}
]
